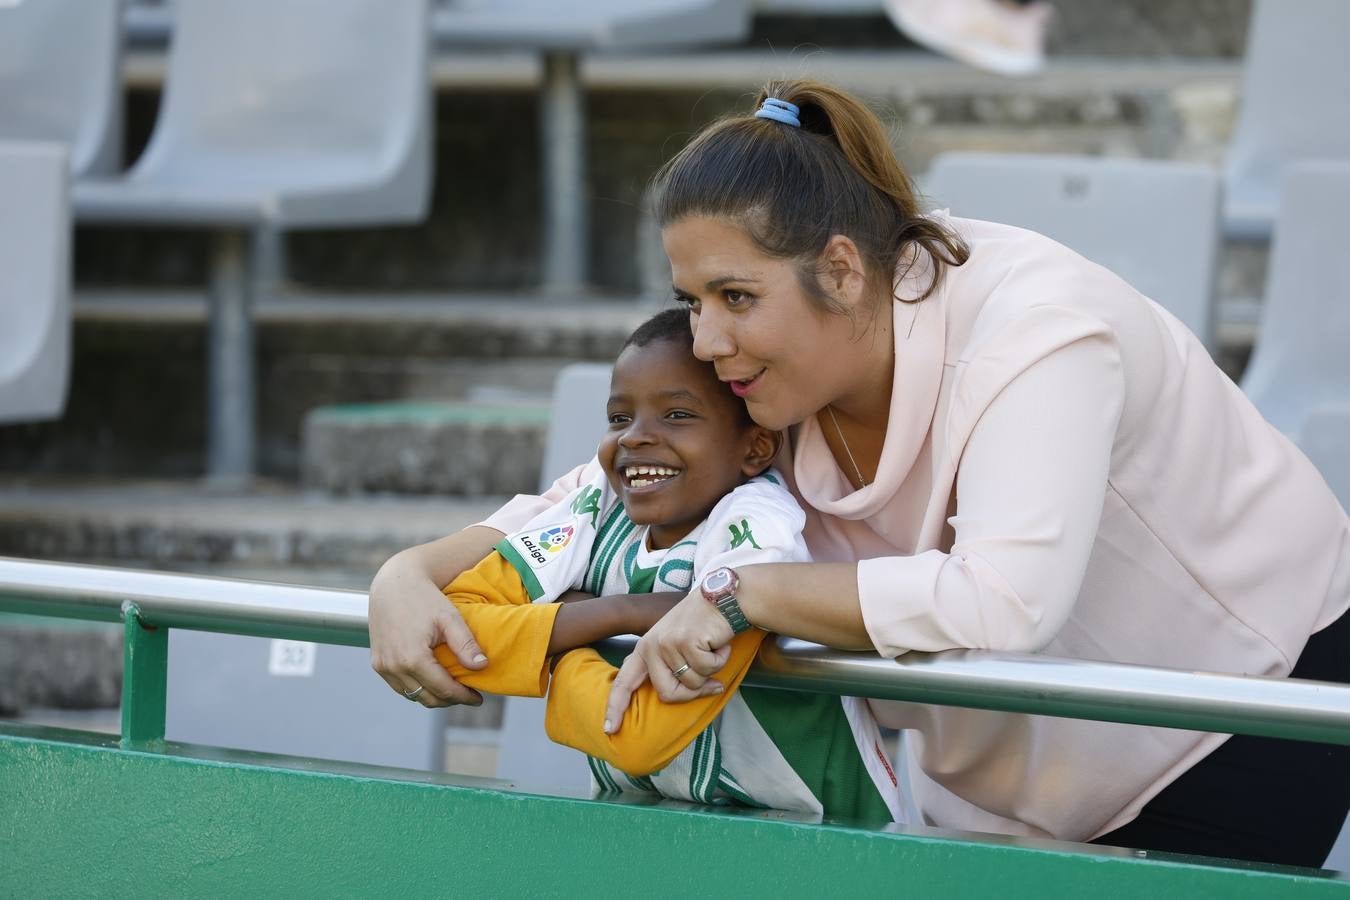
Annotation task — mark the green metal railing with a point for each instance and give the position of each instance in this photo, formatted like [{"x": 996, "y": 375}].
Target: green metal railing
[{"x": 148, "y": 604}]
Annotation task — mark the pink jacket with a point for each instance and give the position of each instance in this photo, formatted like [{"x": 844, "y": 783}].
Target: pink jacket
[{"x": 1119, "y": 499}]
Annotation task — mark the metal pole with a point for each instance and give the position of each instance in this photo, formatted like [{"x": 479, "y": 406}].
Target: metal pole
[
  {"x": 230, "y": 352},
  {"x": 269, "y": 264},
  {"x": 563, "y": 142},
  {"x": 1294, "y": 709},
  {"x": 233, "y": 606},
  {"x": 1024, "y": 683},
  {"x": 145, "y": 680}
]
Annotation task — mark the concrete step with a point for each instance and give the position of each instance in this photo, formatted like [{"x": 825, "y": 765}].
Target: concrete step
[
  {"x": 58, "y": 663},
  {"x": 462, "y": 449},
  {"x": 270, "y": 533},
  {"x": 138, "y": 384},
  {"x": 185, "y": 524}
]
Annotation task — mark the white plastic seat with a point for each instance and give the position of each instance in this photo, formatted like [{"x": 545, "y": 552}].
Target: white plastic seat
[
  {"x": 591, "y": 24},
  {"x": 1325, "y": 438},
  {"x": 60, "y": 78},
  {"x": 34, "y": 280},
  {"x": 527, "y": 755},
  {"x": 1301, "y": 362},
  {"x": 1153, "y": 223},
  {"x": 1299, "y": 373},
  {"x": 563, "y": 31},
  {"x": 307, "y": 113},
  {"x": 296, "y": 698},
  {"x": 1293, "y": 104}
]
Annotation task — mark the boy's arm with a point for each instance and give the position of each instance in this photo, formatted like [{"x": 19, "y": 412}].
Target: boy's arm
[
  {"x": 584, "y": 620},
  {"x": 519, "y": 637},
  {"x": 652, "y": 732},
  {"x": 513, "y": 632}
]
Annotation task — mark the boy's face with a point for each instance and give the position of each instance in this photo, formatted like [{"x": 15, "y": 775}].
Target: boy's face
[{"x": 678, "y": 439}]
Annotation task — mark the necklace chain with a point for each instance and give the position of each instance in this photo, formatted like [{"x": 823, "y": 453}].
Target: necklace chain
[{"x": 862, "y": 482}]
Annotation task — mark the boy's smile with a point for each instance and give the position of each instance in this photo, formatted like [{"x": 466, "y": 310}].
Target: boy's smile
[
  {"x": 640, "y": 476},
  {"x": 678, "y": 440}
]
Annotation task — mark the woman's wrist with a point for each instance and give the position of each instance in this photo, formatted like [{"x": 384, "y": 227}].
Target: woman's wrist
[
  {"x": 811, "y": 601},
  {"x": 749, "y": 594}
]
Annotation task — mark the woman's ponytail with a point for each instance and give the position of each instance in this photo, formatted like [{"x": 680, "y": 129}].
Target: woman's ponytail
[{"x": 794, "y": 186}]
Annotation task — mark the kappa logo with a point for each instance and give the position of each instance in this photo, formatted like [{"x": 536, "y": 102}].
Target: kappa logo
[
  {"x": 542, "y": 548},
  {"x": 742, "y": 535},
  {"x": 587, "y": 503}
]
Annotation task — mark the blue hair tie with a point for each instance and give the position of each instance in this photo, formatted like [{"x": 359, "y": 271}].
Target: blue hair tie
[{"x": 779, "y": 111}]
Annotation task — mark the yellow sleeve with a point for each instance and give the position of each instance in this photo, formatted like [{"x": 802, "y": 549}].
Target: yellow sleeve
[
  {"x": 653, "y": 732},
  {"x": 513, "y": 632}
]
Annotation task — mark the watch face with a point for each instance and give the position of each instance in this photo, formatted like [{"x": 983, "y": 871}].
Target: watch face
[{"x": 717, "y": 580}]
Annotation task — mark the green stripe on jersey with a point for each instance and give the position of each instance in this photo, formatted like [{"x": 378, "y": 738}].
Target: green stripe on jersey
[
  {"x": 600, "y": 564},
  {"x": 606, "y": 533},
  {"x": 732, "y": 788},
  {"x": 813, "y": 734},
  {"x": 601, "y": 774},
  {"x": 714, "y": 775},
  {"x": 641, "y": 782},
  {"x": 517, "y": 562}
]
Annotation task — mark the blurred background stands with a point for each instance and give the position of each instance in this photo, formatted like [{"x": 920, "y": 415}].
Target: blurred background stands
[{"x": 431, "y": 347}]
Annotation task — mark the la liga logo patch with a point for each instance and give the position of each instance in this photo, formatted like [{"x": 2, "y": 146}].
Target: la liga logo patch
[
  {"x": 539, "y": 548},
  {"x": 553, "y": 540}
]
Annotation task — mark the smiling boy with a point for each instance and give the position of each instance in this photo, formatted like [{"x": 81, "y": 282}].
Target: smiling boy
[{"x": 680, "y": 491}]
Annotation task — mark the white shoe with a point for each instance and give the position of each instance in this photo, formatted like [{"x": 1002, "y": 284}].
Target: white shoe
[{"x": 988, "y": 34}]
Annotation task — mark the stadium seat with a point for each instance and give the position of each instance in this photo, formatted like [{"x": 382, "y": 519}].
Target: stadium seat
[
  {"x": 60, "y": 78},
  {"x": 527, "y": 756},
  {"x": 1153, "y": 223},
  {"x": 1325, "y": 438},
  {"x": 294, "y": 698},
  {"x": 562, "y": 32},
  {"x": 304, "y": 114},
  {"x": 1301, "y": 362},
  {"x": 34, "y": 280},
  {"x": 1293, "y": 105}
]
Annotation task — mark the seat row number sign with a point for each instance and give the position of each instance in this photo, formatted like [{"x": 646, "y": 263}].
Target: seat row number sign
[{"x": 291, "y": 658}]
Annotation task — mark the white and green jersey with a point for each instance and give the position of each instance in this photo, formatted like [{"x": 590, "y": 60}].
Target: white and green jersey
[{"x": 811, "y": 753}]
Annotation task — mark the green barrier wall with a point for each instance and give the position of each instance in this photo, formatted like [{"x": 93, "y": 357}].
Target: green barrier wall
[{"x": 81, "y": 817}]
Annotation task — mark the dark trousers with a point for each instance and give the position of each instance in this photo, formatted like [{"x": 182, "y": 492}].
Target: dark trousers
[{"x": 1256, "y": 798}]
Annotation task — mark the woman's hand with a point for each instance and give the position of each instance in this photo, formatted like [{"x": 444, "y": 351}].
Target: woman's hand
[
  {"x": 408, "y": 615},
  {"x": 691, "y": 639}
]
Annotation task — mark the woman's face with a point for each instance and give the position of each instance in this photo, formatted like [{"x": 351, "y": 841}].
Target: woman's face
[{"x": 751, "y": 318}]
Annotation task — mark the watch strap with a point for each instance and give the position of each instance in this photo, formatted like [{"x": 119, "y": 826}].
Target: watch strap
[{"x": 730, "y": 609}]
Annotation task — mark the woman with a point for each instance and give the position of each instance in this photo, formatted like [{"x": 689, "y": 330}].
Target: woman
[{"x": 999, "y": 445}]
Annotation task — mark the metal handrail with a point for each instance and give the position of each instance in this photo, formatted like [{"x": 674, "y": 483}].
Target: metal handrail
[{"x": 1011, "y": 682}]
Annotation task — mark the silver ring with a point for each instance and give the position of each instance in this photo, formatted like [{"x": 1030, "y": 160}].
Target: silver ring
[
  {"x": 680, "y": 671},
  {"x": 412, "y": 695}
]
